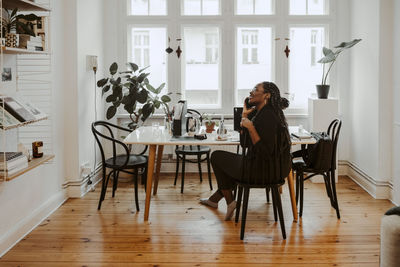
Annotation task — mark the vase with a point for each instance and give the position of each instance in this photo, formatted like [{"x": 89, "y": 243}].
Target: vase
[
  {"x": 322, "y": 91},
  {"x": 12, "y": 40},
  {"x": 210, "y": 127}
]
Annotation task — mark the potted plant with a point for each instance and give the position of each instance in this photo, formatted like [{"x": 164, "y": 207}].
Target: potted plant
[
  {"x": 14, "y": 23},
  {"x": 208, "y": 122},
  {"x": 330, "y": 57},
  {"x": 131, "y": 88}
]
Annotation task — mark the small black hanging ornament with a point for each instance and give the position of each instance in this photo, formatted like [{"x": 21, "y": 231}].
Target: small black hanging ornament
[
  {"x": 287, "y": 50},
  {"x": 179, "y": 50},
  {"x": 169, "y": 50}
]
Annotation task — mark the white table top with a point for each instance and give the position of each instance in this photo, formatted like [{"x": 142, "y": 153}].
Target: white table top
[{"x": 149, "y": 135}]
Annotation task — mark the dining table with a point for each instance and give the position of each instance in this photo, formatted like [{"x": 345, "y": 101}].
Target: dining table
[{"x": 156, "y": 137}]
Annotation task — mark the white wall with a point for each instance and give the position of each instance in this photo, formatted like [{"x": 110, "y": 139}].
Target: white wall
[
  {"x": 28, "y": 199},
  {"x": 364, "y": 87},
  {"x": 396, "y": 104}
]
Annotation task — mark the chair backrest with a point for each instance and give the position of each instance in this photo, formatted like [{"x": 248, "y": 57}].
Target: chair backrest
[
  {"x": 333, "y": 132},
  {"x": 260, "y": 171},
  {"x": 108, "y": 135}
]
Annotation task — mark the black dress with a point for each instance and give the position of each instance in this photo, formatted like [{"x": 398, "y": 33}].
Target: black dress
[{"x": 228, "y": 166}]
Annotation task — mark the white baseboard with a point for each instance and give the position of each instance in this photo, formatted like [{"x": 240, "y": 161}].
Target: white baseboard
[
  {"x": 377, "y": 189},
  {"x": 25, "y": 226},
  {"x": 79, "y": 188}
]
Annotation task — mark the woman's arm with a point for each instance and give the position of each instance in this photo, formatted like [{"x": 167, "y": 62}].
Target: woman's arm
[{"x": 248, "y": 124}]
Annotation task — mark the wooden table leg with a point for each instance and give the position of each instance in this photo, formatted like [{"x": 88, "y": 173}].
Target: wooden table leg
[
  {"x": 292, "y": 196},
  {"x": 150, "y": 170},
  {"x": 158, "y": 167}
]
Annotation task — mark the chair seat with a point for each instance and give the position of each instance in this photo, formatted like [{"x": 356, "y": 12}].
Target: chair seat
[
  {"x": 134, "y": 161},
  {"x": 298, "y": 164},
  {"x": 192, "y": 150}
]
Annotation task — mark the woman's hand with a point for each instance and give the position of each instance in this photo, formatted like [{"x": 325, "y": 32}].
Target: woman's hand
[
  {"x": 246, "y": 123},
  {"x": 246, "y": 111}
]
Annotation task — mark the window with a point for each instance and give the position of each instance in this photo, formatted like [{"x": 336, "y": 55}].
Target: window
[
  {"x": 147, "y": 7},
  {"x": 228, "y": 47},
  {"x": 146, "y": 49},
  {"x": 201, "y": 7},
  {"x": 253, "y": 7},
  {"x": 254, "y": 59},
  {"x": 201, "y": 71},
  {"x": 308, "y": 7}
]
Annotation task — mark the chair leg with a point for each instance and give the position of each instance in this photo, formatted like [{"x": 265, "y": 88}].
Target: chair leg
[
  {"x": 238, "y": 203},
  {"x": 209, "y": 170},
  {"x": 301, "y": 195},
  {"x": 136, "y": 189},
  {"x": 244, "y": 212},
  {"x": 328, "y": 187},
  {"x": 334, "y": 195},
  {"x": 104, "y": 190},
  {"x": 115, "y": 182},
  {"x": 177, "y": 168},
  {"x": 103, "y": 182},
  {"x": 267, "y": 194},
  {"x": 144, "y": 178},
  {"x": 280, "y": 211},
  {"x": 199, "y": 164},
  {"x": 274, "y": 205},
  {"x": 234, "y": 192},
  {"x": 183, "y": 173},
  {"x": 298, "y": 185}
]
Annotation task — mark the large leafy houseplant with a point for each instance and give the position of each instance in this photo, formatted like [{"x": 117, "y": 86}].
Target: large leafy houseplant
[
  {"x": 18, "y": 23},
  {"x": 330, "y": 57},
  {"x": 131, "y": 88}
]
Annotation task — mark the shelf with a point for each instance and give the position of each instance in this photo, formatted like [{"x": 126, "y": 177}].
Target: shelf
[
  {"x": 11, "y": 50},
  {"x": 22, "y": 124},
  {"x": 24, "y": 5},
  {"x": 31, "y": 165}
]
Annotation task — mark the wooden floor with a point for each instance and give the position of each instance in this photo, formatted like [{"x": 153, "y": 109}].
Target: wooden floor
[{"x": 180, "y": 232}]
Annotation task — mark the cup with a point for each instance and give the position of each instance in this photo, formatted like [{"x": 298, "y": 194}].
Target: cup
[
  {"x": 155, "y": 127},
  {"x": 301, "y": 129}
]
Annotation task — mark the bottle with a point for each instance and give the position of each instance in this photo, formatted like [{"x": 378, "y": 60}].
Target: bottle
[{"x": 221, "y": 128}]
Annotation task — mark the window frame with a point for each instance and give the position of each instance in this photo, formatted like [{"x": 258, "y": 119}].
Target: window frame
[{"x": 280, "y": 21}]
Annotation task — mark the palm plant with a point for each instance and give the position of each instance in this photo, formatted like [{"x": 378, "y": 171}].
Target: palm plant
[
  {"x": 18, "y": 23},
  {"x": 330, "y": 56}
]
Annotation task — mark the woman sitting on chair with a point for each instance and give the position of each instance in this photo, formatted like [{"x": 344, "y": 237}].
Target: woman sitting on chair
[{"x": 261, "y": 122}]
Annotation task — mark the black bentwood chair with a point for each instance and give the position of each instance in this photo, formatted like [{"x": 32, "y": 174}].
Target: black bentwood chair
[
  {"x": 265, "y": 173},
  {"x": 183, "y": 151},
  {"x": 118, "y": 162},
  {"x": 318, "y": 160}
]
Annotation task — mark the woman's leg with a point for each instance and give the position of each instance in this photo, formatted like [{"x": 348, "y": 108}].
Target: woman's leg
[{"x": 227, "y": 167}]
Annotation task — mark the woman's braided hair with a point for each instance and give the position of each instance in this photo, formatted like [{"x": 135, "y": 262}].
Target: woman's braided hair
[{"x": 277, "y": 102}]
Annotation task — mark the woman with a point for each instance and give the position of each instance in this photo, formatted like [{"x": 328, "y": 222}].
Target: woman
[{"x": 261, "y": 122}]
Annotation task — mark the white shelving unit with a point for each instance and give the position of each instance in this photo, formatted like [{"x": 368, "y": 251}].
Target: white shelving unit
[{"x": 32, "y": 76}]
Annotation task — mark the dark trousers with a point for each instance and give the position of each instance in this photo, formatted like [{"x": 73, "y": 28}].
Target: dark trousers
[{"x": 227, "y": 168}]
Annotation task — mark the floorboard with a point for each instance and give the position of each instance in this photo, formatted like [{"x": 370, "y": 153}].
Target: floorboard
[{"x": 180, "y": 232}]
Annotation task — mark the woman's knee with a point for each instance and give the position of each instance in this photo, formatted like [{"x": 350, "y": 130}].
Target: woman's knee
[{"x": 216, "y": 156}]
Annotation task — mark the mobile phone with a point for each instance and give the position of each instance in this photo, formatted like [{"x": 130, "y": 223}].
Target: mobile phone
[{"x": 247, "y": 101}]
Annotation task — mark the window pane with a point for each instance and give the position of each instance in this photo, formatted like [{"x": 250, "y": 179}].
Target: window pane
[
  {"x": 201, "y": 7},
  {"x": 201, "y": 71},
  {"x": 148, "y": 7},
  {"x": 308, "y": 7},
  {"x": 304, "y": 71},
  {"x": 253, "y": 7},
  {"x": 148, "y": 49},
  {"x": 254, "y": 59}
]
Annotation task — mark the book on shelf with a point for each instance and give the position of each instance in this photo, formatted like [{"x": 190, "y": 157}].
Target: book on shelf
[
  {"x": 15, "y": 169},
  {"x": 14, "y": 160},
  {"x": 37, "y": 113},
  {"x": 6, "y": 119},
  {"x": 34, "y": 48},
  {"x": 16, "y": 109}
]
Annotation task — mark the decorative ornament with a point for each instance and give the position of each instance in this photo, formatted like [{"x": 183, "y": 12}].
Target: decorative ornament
[
  {"x": 287, "y": 51},
  {"x": 169, "y": 50},
  {"x": 179, "y": 50}
]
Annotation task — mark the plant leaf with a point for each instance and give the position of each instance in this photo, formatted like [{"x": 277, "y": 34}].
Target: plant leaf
[
  {"x": 111, "y": 98},
  {"x": 130, "y": 108},
  {"x": 147, "y": 110},
  {"x": 329, "y": 56},
  {"x": 165, "y": 99},
  {"x": 142, "y": 76},
  {"x": 111, "y": 112},
  {"x": 142, "y": 96},
  {"x": 157, "y": 104},
  {"x": 15, "y": 10},
  {"x": 151, "y": 88},
  {"x": 133, "y": 66},
  {"x": 140, "y": 71},
  {"x": 346, "y": 45},
  {"x": 105, "y": 89},
  {"x": 102, "y": 82},
  {"x": 113, "y": 68},
  {"x": 158, "y": 90}
]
